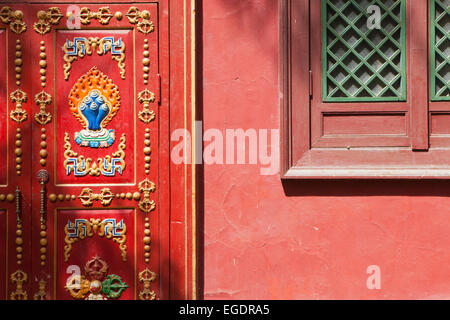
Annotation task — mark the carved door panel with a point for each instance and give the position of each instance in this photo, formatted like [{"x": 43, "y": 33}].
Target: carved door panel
[
  {"x": 15, "y": 155},
  {"x": 96, "y": 130},
  {"x": 93, "y": 101},
  {"x": 90, "y": 205}
]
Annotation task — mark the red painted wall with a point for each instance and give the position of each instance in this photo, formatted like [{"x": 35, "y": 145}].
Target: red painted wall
[{"x": 265, "y": 239}]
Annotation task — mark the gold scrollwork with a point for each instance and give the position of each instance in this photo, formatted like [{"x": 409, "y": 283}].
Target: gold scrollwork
[
  {"x": 19, "y": 278},
  {"x": 18, "y": 114},
  {"x": 82, "y": 228},
  {"x": 82, "y": 166},
  {"x": 84, "y": 47},
  {"x": 146, "y": 205},
  {"x": 47, "y": 18},
  {"x": 147, "y": 277},
  {"x": 145, "y": 25},
  {"x": 146, "y": 97},
  {"x": 43, "y": 99},
  {"x": 103, "y": 15},
  {"x": 14, "y": 19},
  {"x": 41, "y": 294},
  {"x": 88, "y": 197}
]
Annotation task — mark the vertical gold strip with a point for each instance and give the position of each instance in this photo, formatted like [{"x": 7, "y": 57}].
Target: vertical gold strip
[
  {"x": 7, "y": 157},
  {"x": 185, "y": 156},
  {"x": 193, "y": 108},
  {"x": 135, "y": 152},
  {"x": 55, "y": 247},
  {"x": 6, "y": 254}
]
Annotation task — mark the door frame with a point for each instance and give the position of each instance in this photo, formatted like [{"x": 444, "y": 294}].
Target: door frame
[{"x": 178, "y": 183}]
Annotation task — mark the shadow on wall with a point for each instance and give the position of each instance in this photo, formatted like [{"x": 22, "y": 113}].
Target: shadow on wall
[{"x": 350, "y": 188}]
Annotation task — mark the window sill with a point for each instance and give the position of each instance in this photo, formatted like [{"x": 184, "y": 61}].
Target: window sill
[{"x": 393, "y": 163}]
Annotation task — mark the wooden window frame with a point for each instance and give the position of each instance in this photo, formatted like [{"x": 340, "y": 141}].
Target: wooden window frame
[{"x": 300, "y": 159}]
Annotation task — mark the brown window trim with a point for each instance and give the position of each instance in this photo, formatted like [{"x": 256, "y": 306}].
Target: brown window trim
[{"x": 300, "y": 161}]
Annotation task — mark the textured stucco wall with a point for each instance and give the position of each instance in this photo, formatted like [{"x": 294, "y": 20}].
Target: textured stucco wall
[{"x": 302, "y": 240}]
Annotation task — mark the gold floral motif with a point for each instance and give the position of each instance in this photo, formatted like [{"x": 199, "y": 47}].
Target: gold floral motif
[
  {"x": 146, "y": 205},
  {"x": 82, "y": 166},
  {"x": 43, "y": 99},
  {"x": 134, "y": 16},
  {"x": 47, "y": 18},
  {"x": 14, "y": 19},
  {"x": 91, "y": 45},
  {"x": 147, "y": 277},
  {"x": 87, "y": 197},
  {"x": 82, "y": 228},
  {"x": 18, "y": 114},
  {"x": 103, "y": 15},
  {"x": 146, "y": 97},
  {"x": 19, "y": 278}
]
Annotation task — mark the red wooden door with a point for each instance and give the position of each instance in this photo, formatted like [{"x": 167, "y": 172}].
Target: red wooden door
[{"x": 79, "y": 167}]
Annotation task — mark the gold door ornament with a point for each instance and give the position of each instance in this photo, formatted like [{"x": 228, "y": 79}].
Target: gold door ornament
[
  {"x": 146, "y": 97},
  {"x": 147, "y": 151},
  {"x": 82, "y": 166},
  {"x": 19, "y": 227},
  {"x": 18, "y": 152},
  {"x": 88, "y": 197},
  {"x": 18, "y": 62},
  {"x": 103, "y": 15},
  {"x": 82, "y": 228},
  {"x": 43, "y": 177},
  {"x": 147, "y": 277},
  {"x": 146, "y": 61},
  {"x": 43, "y": 64},
  {"x": 43, "y": 153},
  {"x": 141, "y": 18},
  {"x": 146, "y": 187},
  {"x": 81, "y": 47},
  {"x": 19, "y": 278},
  {"x": 43, "y": 99},
  {"x": 147, "y": 240},
  {"x": 41, "y": 294},
  {"x": 14, "y": 19},
  {"x": 100, "y": 286},
  {"x": 46, "y": 19},
  {"x": 18, "y": 114}
]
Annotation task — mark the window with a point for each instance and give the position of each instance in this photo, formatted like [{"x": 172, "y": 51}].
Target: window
[
  {"x": 361, "y": 64},
  {"x": 440, "y": 50},
  {"x": 364, "y": 97}
]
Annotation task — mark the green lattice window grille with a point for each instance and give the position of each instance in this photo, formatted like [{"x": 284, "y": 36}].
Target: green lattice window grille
[
  {"x": 440, "y": 50},
  {"x": 362, "y": 63}
]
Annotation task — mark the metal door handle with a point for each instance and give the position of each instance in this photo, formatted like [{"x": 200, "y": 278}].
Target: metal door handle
[
  {"x": 42, "y": 177},
  {"x": 18, "y": 207}
]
